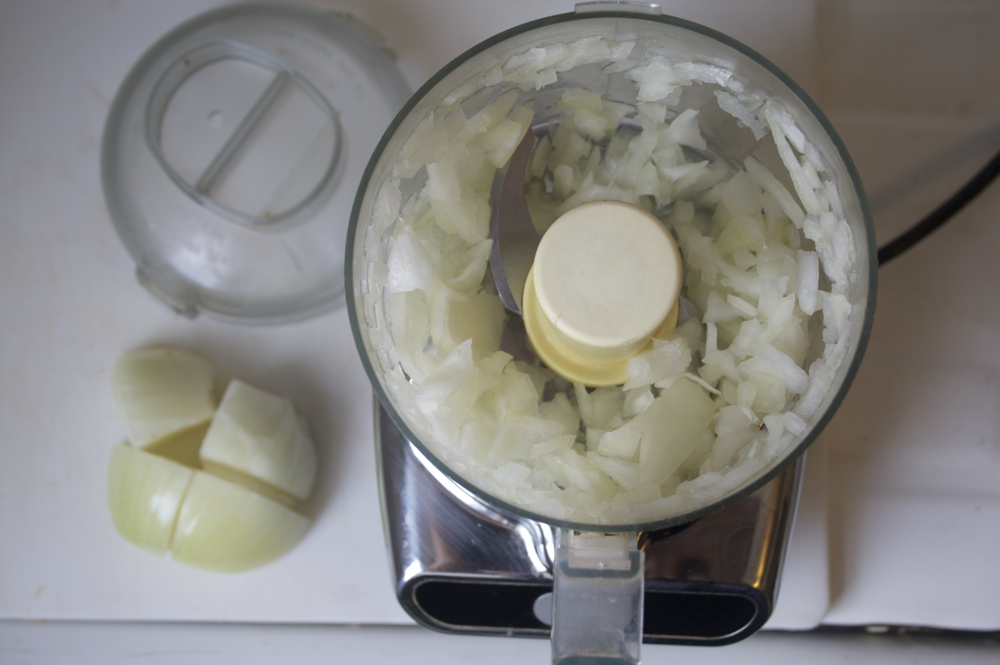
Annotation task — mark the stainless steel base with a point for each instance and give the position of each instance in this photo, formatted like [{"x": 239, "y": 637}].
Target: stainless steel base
[{"x": 462, "y": 566}]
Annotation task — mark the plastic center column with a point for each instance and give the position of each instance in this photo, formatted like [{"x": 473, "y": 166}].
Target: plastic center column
[{"x": 606, "y": 279}]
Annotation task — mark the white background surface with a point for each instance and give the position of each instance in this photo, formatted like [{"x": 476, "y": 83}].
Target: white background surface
[{"x": 903, "y": 492}]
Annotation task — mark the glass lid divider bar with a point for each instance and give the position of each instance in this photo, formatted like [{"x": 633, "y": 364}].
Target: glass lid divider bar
[{"x": 242, "y": 131}]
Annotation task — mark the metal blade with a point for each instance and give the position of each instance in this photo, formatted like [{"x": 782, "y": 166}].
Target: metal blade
[{"x": 514, "y": 236}]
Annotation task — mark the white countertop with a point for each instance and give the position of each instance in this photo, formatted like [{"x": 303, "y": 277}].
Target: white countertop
[{"x": 900, "y": 519}]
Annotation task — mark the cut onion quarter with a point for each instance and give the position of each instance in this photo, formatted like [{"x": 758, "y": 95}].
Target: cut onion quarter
[
  {"x": 204, "y": 521},
  {"x": 145, "y": 493},
  {"x": 160, "y": 391},
  {"x": 259, "y": 435},
  {"x": 229, "y": 528}
]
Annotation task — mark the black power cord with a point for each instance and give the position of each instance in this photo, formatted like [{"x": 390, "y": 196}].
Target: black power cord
[{"x": 942, "y": 214}]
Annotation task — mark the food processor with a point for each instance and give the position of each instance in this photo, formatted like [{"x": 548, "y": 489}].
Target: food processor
[{"x": 466, "y": 557}]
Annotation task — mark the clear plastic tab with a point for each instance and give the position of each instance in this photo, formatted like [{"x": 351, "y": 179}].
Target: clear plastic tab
[
  {"x": 597, "y": 599},
  {"x": 617, "y": 6}
]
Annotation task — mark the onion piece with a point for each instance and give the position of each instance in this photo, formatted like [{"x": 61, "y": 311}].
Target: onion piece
[
  {"x": 410, "y": 266},
  {"x": 145, "y": 493},
  {"x": 260, "y": 435},
  {"x": 621, "y": 471},
  {"x": 671, "y": 427},
  {"x": 665, "y": 360},
  {"x": 763, "y": 177},
  {"x": 160, "y": 391},
  {"x": 228, "y": 528}
]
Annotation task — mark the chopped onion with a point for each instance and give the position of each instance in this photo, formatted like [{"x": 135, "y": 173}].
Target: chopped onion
[
  {"x": 670, "y": 429},
  {"x": 685, "y": 428},
  {"x": 410, "y": 266},
  {"x": 665, "y": 360}
]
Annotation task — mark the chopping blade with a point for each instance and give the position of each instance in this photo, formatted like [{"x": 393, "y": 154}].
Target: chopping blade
[{"x": 514, "y": 236}]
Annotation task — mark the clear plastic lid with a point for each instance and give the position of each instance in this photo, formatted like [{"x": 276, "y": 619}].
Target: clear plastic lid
[{"x": 232, "y": 154}]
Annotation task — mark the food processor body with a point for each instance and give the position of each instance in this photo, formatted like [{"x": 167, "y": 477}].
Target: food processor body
[{"x": 470, "y": 81}]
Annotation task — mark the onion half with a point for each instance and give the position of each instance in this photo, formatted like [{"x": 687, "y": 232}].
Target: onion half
[{"x": 258, "y": 461}]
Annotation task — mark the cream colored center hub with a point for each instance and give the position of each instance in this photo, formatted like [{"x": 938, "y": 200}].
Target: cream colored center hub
[{"x": 606, "y": 278}]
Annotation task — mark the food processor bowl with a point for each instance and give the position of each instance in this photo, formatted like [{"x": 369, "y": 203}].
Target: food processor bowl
[
  {"x": 729, "y": 86},
  {"x": 370, "y": 234}
]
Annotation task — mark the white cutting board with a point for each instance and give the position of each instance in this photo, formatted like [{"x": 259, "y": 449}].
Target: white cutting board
[{"x": 70, "y": 305}]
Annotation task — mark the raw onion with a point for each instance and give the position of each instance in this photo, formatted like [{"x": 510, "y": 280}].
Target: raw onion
[
  {"x": 258, "y": 459},
  {"x": 145, "y": 493},
  {"x": 161, "y": 391},
  {"x": 260, "y": 435},
  {"x": 229, "y": 528}
]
